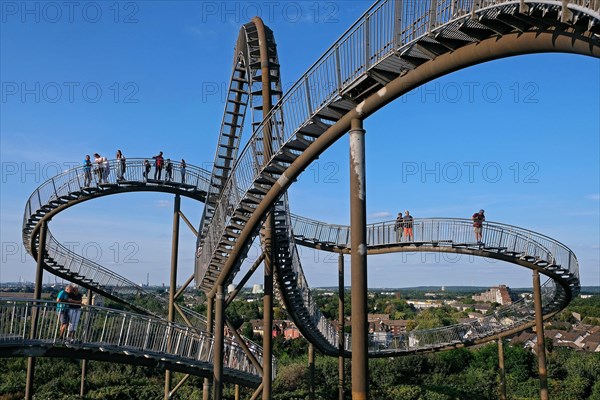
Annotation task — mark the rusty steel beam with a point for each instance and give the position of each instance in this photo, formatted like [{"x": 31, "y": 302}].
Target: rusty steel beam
[
  {"x": 539, "y": 330},
  {"x": 37, "y": 295},
  {"x": 173, "y": 283},
  {"x": 219, "y": 345},
  {"x": 358, "y": 263},
  {"x": 494, "y": 48},
  {"x": 341, "y": 325},
  {"x": 501, "y": 369},
  {"x": 268, "y": 229},
  {"x": 245, "y": 279}
]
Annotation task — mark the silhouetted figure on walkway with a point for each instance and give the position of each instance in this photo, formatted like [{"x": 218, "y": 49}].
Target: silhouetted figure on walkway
[
  {"x": 478, "y": 219},
  {"x": 121, "y": 166},
  {"x": 147, "y": 167},
  {"x": 87, "y": 171},
  {"x": 408, "y": 226},
  {"x": 158, "y": 165},
  {"x": 169, "y": 170},
  {"x": 398, "y": 227},
  {"x": 183, "y": 168}
]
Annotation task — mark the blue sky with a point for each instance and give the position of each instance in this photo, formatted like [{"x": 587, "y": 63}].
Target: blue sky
[{"x": 518, "y": 137}]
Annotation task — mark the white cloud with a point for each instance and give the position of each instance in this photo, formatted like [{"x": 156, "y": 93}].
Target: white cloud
[
  {"x": 380, "y": 214},
  {"x": 162, "y": 203},
  {"x": 595, "y": 197}
]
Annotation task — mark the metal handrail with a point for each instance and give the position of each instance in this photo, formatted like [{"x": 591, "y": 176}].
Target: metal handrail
[
  {"x": 497, "y": 237},
  {"x": 116, "y": 331},
  {"x": 444, "y": 232},
  {"x": 341, "y": 66},
  {"x": 107, "y": 281},
  {"x": 72, "y": 180}
]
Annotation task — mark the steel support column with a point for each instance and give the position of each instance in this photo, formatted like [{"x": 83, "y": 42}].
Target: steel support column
[
  {"x": 539, "y": 329},
  {"x": 173, "y": 282},
  {"x": 267, "y": 377},
  {"x": 268, "y": 228},
  {"x": 501, "y": 369},
  {"x": 219, "y": 343},
  {"x": 358, "y": 261},
  {"x": 257, "y": 392},
  {"x": 245, "y": 279},
  {"x": 244, "y": 346},
  {"x": 90, "y": 294},
  {"x": 37, "y": 295},
  {"x": 179, "y": 384},
  {"x": 311, "y": 371},
  {"x": 206, "y": 387},
  {"x": 341, "y": 326}
]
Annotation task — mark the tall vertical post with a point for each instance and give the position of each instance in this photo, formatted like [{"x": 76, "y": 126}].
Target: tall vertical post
[
  {"x": 268, "y": 234},
  {"x": 539, "y": 329},
  {"x": 219, "y": 343},
  {"x": 206, "y": 387},
  {"x": 358, "y": 259},
  {"x": 501, "y": 369},
  {"x": 37, "y": 295},
  {"x": 311, "y": 371},
  {"x": 236, "y": 392},
  {"x": 341, "y": 326},
  {"x": 268, "y": 309},
  {"x": 173, "y": 282},
  {"x": 84, "y": 362}
]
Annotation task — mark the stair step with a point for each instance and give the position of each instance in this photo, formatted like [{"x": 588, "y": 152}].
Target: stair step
[{"x": 274, "y": 169}]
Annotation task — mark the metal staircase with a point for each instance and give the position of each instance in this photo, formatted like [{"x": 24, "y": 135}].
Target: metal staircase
[
  {"x": 504, "y": 242},
  {"x": 388, "y": 41},
  {"x": 245, "y": 87},
  {"x": 66, "y": 190}
]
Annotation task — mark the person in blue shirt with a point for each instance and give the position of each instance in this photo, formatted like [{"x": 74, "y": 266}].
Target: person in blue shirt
[
  {"x": 63, "y": 310},
  {"x": 87, "y": 171}
]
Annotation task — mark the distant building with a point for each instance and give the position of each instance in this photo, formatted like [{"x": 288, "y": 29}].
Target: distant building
[
  {"x": 97, "y": 300},
  {"x": 497, "y": 294},
  {"x": 422, "y": 304},
  {"x": 287, "y": 328},
  {"x": 257, "y": 289},
  {"x": 582, "y": 338}
]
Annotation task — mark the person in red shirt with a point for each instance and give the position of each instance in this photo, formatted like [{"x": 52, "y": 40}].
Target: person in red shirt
[
  {"x": 407, "y": 222},
  {"x": 478, "y": 219},
  {"x": 158, "y": 165}
]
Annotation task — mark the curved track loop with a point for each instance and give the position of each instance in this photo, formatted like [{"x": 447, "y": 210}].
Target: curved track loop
[
  {"x": 118, "y": 336},
  {"x": 503, "y": 242},
  {"x": 66, "y": 190},
  {"x": 393, "y": 48}
]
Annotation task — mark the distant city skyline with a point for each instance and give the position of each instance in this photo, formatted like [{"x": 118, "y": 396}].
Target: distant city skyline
[{"x": 509, "y": 136}]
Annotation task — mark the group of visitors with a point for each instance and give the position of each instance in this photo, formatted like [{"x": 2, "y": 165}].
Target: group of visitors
[
  {"x": 404, "y": 226},
  {"x": 159, "y": 163},
  {"x": 69, "y": 311},
  {"x": 102, "y": 168}
]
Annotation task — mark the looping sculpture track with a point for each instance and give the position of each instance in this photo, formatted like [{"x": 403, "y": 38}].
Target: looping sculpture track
[{"x": 393, "y": 48}]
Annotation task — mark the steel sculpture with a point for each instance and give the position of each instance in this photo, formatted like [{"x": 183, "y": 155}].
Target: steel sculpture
[{"x": 393, "y": 48}]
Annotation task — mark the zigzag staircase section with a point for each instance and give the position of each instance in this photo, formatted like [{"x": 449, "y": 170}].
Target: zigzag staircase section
[{"x": 245, "y": 88}]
